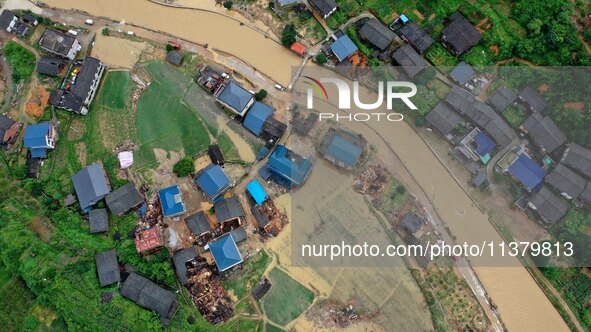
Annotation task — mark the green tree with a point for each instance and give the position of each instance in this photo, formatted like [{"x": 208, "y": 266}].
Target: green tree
[
  {"x": 260, "y": 95},
  {"x": 184, "y": 167},
  {"x": 288, "y": 36},
  {"x": 228, "y": 4},
  {"x": 321, "y": 58},
  {"x": 169, "y": 48}
]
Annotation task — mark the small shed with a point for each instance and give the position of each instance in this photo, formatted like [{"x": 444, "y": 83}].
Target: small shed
[
  {"x": 175, "y": 57},
  {"x": 107, "y": 267},
  {"x": 215, "y": 154},
  {"x": 298, "y": 48},
  {"x": 256, "y": 191},
  {"x": 99, "y": 221}
]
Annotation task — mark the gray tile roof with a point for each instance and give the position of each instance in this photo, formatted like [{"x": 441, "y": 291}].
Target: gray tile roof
[
  {"x": 56, "y": 41},
  {"x": 443, "y": 118},
  {"x": 578, "y": 158},
  {"x": 198, "y": 223},
  {"x": 90, "y": 72},
  {"x": 502, "y": 98},
  {"x": 150, "y": 296},
  {"x": 90, "y": 185},
  {"x": 460, "y": 99},
  {"x": 459, "y": 35},
  {"x": 49, "y": 65},
  {"x": 107, "y": 267},
  {"x": 534, "y": 100},
  {"x": 123, "y": 199},
  {"x": 412, "y": 62},
  {"x": 586, "y": 194},
  {"x": 544, "y": 132},
  {"x": 411, "y": 223},
  {"x": 228, "y": 208},
  {"x": 99, "y": 221},
  {"x": 566, "y": 181},
  {"x": 261, "y": 219},
  {"x": 377, "y": 34},
  {"x": 174, "y": 57},
  {"x": 550, "y": 207},
  {"x": 180, "y": 259},
  {"x": 416, "y": 36}
]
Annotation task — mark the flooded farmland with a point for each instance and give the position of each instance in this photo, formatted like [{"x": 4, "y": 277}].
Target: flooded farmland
[
  {"x": 117, "y": 52},
  {"x": 204, "y": 27}
]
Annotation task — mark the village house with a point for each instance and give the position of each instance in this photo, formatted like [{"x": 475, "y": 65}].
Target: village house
[
  {"x": 342, "y": 148},
  {"x": 98, "y": 220},
  {"x": 91, "y": 186},
  {"x": 39, "y": 138},
  {"x": 412, "y": 62},
  {"x": 548, "y": 206},
  {"x": 30, "y": 19},
  {"x": 171, "y": 201},
  {"x": 477, "y": 146},
  {"x": 544, "y": 133},
  {"x": 198, "y": 224},
  {"x": 286, "y": 3},
  {"x": 460, "y": 99},
  {"x": 107, "y": 267},
  {"x": 256, "y": 192},
  {"x": 443, "y": 119},
  {"x": 343, "y": 47},
  {"x": 586, "y": 194},
  {"x": 492, "y": 123},
  {"x": 412, "y": 224},
  {"x": 60, "y": 43},
  {"x": 150, "y": 296},
  {"x": 298, "y": 48},
  {"x": 534, "y": 100},
  {"x": 225, "y": 252},
  {"x": 227, "y": 209},
  {"x": 256, "y": 117},
  {"x": 148, "y": 241},
  {"x": 377, "y": 34},
  {"x": 578, "y": 158},
  {"x": 215, "y": 154},
  {"x": 502, "y": 98},
  {"x": 526, "y": 171},
  {"x": 213, "y": 181},
  {"x": 324, "y": 7},
  {"x": 8, "y": 131},
  {"x": 273, "y": 130},
  {"x": 123, "y": 199},
  {"x": 179, "y": 260},
  {"x": 174, "y": 57},
  {"x": 459, "y": 35},
  {"x": 416, "y": 37},
  {"x": 235, "y": 98},
  {"x": 286, "y": 168},
  {"x": 11, "y": 23},
  {"x": 50, "y": 65},
  {"x": 566, "y": 181},
  {"x": 462, "y": 73},
  {"x": 261, "y": 288}
]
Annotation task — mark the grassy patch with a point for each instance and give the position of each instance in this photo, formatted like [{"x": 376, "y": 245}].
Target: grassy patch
[
  {"x": 272, "y": 328},
  {"x": 21, "y": 61},
  {"x": 252, "y": 271},
  {"x": 114, "y": 90},
  {"x": 287, "y": 298},
  {"x": 514, "y": 116}
]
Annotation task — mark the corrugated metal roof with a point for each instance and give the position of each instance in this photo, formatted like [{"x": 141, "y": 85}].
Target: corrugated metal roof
[
  {"x": 213, "y": 181},
  {"x": 256, "y": 117},
  {"x": 257, "y": 191},
  {"x": 527, "y": 171},
  {"x": 225, "y": 252},
  {"x": 343, "y": 47},
  {"x": 171, "y": 201}
]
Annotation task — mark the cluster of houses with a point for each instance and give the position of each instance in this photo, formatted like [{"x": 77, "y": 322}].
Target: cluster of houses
[{"x": 19, "y": 26}]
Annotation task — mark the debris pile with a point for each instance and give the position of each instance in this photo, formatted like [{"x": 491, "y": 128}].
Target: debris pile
[
  {"x": 277, "y": 218},
  {"x": 207, "y": 292},
  {"x": 152, "y": 216},
  {"x": 372, "y": 180},
  {"x": 333, "y": 314}
]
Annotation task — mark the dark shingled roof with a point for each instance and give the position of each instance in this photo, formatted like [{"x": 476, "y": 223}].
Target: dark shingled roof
[
  {"x": 150, "y": 296},
  {"x": 412, "y": 63},
  {"x": 544, "y": 132},
  {"x": 99, "y": 220},
  {"x": 502, "y": 99},
  {"x": 56, "y": 41},
  {"x": 261, "y": 219},
  {"x": 462, "y": 73},
  {"x": 273, "y": 129},
  {"x": 90, "y": 185},
  {"x": 460, "y": 99},
  {"x": 411, "y": 223},
  {"x": 215, "y": 154},
  {"x": 238, "y": 234},
  {"x": 124, "y": 199},
  {"x": 261, "y": 288},
  {"x": 180, "y": 259},
  {"x": 6, "y": 18},
  {"x": 566, "y": 181},
  {"x": 49, "y": 65},
  {"x": 416, "y": 36},
  {"x": 5, "y": 124},
  {"x": 549, "y": 206},
  {"x": 443, "y": 118},
  {"x": 377, "y": 34},
  {"x": 87, "y": 77},
  {"x": 578, "y": 158},
  {"x": 325, "y": 7},
  {"x": 534, "y": 100},
  {"x": 459, "y": 35},
  {"x": 485, "y": 117},
  {"x": 586, "y": 194},
  {"x": 107, "y": 267},
  {"x": 228, "y": 208},
  {"x": 198, "y": 223},
  {"x": 174, "y": 57}
]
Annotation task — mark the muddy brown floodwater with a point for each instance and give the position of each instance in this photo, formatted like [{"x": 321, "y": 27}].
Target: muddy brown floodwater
[{"x": 202, "y": 27}]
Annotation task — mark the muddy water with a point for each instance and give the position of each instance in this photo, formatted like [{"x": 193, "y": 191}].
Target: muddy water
[
  {"x": 117, "y": 52},
  {"x": 244, "y": 149},
  {"x": 521, "y": 303},
  {"x": 215, "y": 30}
]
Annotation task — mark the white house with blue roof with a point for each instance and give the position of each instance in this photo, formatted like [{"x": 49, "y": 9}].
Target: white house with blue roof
[
  {"x": 171, "y": 201},
  {"x": 235, "y": 98},
  {"x": 38, "y": 138}
]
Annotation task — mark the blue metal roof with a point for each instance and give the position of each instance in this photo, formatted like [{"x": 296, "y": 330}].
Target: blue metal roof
[
  {"x": 171, "y": 201},
  {"x": 403, "y": 18},
  {"x": 343, "y": 47},
  {"x": 235, "y": 96},
  {"x": 288, "y": 166},
  {"x": 213, "y": 181},
  {"x": 528, "y": 172},
  {"x": 256, "y": 117},
  {"x": 38, "y": 152},
  {"x": 90, "y": 185},
  {"x": 343, "y": 151},
  {"x": 485, "y": 144},
  {"x": 35, "y": 136},
  {"x": 256, "y": 191},
  {"x": 225, "y": 252}
]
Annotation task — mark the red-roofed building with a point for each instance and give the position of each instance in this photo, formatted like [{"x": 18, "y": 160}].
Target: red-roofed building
[
  {"x": 298, "y": 48},
  {"x": 148, "y": 240}
]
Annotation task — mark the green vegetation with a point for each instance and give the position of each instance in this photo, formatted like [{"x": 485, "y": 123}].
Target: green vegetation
[
  {"x": 321, "y": 58},
  {"x": 514, "y": 116},
  {"x": 288, "y": 36},
  {"x": 352, "y": 33},
  {"x": 21, "y": 61},
  {"x": 228, "y": 4},
  {"x": 184, "y": 167},
  {"x": 260, "y": 95},
  {"x": 287, "y": 298},
  {"x": 272, "y": 328},
  {"x": 252, "y": 271}
]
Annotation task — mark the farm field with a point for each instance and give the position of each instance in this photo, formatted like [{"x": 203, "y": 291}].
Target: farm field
[
  {"x": 287, "y": 298},
  {"x": 242, "y": 282}
]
